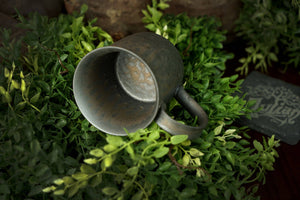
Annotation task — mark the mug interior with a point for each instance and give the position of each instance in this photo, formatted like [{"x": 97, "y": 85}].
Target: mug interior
[
  {"x": 115, "y": 90},
  {"x": 135, "y": 77}
]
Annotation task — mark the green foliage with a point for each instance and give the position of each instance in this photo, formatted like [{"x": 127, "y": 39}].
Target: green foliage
[
  {"x": 39, "y": 121},
  {"x": 48, "y": 150},
  {"x": 271, "y": 29},
  {"x": 115, "y": 170}
]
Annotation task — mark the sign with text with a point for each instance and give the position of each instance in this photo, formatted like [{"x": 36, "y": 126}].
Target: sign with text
[{"x": 277, "y": 107}]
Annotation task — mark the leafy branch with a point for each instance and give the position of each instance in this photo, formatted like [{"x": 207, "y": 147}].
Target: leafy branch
[{"x": 270, "y": 29}]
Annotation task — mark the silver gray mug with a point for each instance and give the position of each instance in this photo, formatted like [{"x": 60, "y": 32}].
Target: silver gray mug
[{"x": 126, "y": 86}]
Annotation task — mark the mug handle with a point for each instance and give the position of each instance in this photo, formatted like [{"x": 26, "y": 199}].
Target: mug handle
[{"x": 174, "y": 127}]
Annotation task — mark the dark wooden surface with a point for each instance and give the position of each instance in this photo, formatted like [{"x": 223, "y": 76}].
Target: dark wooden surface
[{"x": 284, "y": 182}]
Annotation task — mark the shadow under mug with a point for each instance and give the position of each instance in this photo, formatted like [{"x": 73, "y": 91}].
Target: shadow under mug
[{"x": 127, "y": 85}]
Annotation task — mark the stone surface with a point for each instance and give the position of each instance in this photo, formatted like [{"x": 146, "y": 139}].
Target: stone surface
[
  {"x": 123, "y": 17},
  {"x": 8, "y": 20},
  {"x": 279, "y": 107},
  {"x": 226, "y": 10},
  {"x": 118, "y": 17},
  {"x": 50, "y": 8}
]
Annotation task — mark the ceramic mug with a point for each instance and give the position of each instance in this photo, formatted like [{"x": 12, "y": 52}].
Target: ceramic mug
[{"x": 127, "y": 85}]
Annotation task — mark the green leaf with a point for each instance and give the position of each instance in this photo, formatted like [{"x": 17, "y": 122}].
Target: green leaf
[
  {"x": 230, "y": 157},
  {"x": 73, "y": 190},
  {"x": 230, "y": 131},
  {"x": 227, "y": 194},
  {"x": 66, "y": 35},
  {"x": 114, "y": 140},
  {"x": 163, "y": 5},
  {"x": 86, "y": 169},
  {"x": 130, "y": 151},
  {"x": 2, "y": 90},
  {"x": 181, "y": 37},
  {"x": 6, "y": 72},
  {"x": 205, "y": 145},
  {"x": 85, "y": 31},
  {"x": 134, "y": 135},
  {"x": 58, "y": 181},
  {"x": 87, "y": 46},
  {"x": 61, "y": 123},
  {"x": 271, "y": 141},
  {"x": 133, "y": 171},
  {"x": 110, "y": 191},
  {"x": 177, "y": 139},
  {"x": 21, "y": 75},
  {"x": 35, "y": 98},
  {"x": 68, "y": 180},
  {"x": 216, "y": 98},
  {"x": 80, "y": 176},
  {"x": 154, "y": 135},
  {"x": 106, "y": 36},
  {"x": 213, "y": 190},
  {"x": 273, "y": 57},
  {"x": 218, "y": 129},
  {"x": 165, "y": 166},
  {"x": 258, "y": 146},
  {"x": 227, "y": 99},
  {"x": 151, "y": 27},
  {"x": 197, "y": 85},
  {"x": 35, "y": 146},
  {"x": 186, "y": 160},
  {"x": 23, "y": 86},
  {"x": 14, "y": 84},
  {"x": 4, "y": 189},
  {"x": 76, "y": 25},
  {"x": 59, "y": 192},
  {"x": 251, "y": 103},
  {"x": 96, "y": 180},
  {"x": 90, "y": 161},
  {"x": 156, "y": 15},
  {"x": 209, "y": 65},
  {"x": 7, "y": 97},
  {"x": 44, "y": 86},
  {"x": 83, "y": 9},
  {"x": 49, "y": 189},
  {"x": 244, "y": 142},
  {"x": 177, "y": 29},
  {"x": 64, "y": 57},
  {"x": 160, "y": 152},
  {"x": 107, "y": 162},
  {"x": 97, "y": 153},
  {"x": 109, "y": 148},
  {"x": 35, "y": 63},
  {"x": 220, "y": 107},
  {"x": 230, "y": 144},
  {"x": 195, "y": 152}
]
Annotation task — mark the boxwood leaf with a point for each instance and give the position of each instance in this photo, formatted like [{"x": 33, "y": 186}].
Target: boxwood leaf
[
  {"x": 80, "y": 176},
  {"x": 177, "y": 139},
  {"x": 258, "y": 146},
  {"x": 97, "y": 153},
  {"x": 59, "y": 192},
  {"x": 96, "y": 180},
  {"x": 160, "y": 152},
  {"x": 73, "y": 190},
  {"x": 87, "y": 169},
  {"x": 132, "y": 171},
  {"x": 114, "y": 140},
  {"x": 110, "y": 191}
]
